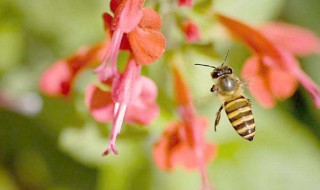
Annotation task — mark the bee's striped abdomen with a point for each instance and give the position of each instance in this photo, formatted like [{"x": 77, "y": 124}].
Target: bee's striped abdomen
[{"x": 240, "y": 115}]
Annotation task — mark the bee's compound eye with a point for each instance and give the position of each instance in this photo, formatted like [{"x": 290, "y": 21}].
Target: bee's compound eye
[
  {"x": 215, "y": 74},
  {"x": 229, "y": 70}
]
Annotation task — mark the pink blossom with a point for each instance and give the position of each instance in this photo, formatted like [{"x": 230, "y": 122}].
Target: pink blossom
[
  {"x": 134, "y": 28},
  {"x": 273, "y": 71},
  {"x": 183, "y": 142},
  {"x": 191, "y": 31},
  {"x": 186, "y": 3},
  {"x": 58, "y": 79},
  {"x": 132, "y": 99}
]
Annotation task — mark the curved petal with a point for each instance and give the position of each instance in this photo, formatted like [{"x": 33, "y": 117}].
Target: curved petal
[
  {"x": 292, "y": 66},
  {"x": 100, "y": 104},
  {"x": 174, "y": 147},
  {"x": 252, "y": 37},
  {"x": 191, "y": 31},
  {"x": 128, "y": 15},
  {"x": 296, "y": 40},
  {"x": 147, "y": 43},
  {"x": 149, "y": 90},
  {"x": 283, "y": 83},
  {"x": 143, "y": 109},
  {"x": 181, "y": 92},
  {"x": 57, "y": 79},
  {"x": 166, "y": 146},
  {"x": 256, "y": 75},
  {"x": 114, "y": 4},
  {"x": 150, "y": 20},
  {"x": 186, "y": 3},
  {"x": 142, "y": 113}
]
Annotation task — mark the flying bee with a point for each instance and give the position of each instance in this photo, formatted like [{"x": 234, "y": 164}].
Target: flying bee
[{"x": 229, "y": 88}]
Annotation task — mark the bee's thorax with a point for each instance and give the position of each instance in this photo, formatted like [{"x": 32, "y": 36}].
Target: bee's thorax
[{"x": 227, "y": 84}]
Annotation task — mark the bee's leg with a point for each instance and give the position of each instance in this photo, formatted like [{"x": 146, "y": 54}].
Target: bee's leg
[
  {"x": 212, "y": 89},
  {"x": 218, "y": 118}
]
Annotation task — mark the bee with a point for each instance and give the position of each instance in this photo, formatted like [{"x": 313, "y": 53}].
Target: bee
[{"x": 229, "y": 89}]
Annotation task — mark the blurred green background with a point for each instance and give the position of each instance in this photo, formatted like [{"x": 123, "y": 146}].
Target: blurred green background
[{"x": 50, "y": 143}]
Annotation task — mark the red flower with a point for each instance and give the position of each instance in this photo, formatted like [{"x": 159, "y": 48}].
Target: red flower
[
  {"x": 183, "y": 142},
  {"x": 187, "y": 3},
  {"x": 297, "y": 40},
  {"x": 132, "y": 98},
  {"x": 133, "y": 28},
  {"x": 137, "y": 30},
  {"x": 273, "y": 71},
  {"x": 143, "y": 110},
  {"x": 191, "y": 31},
  {"x": 57, "y": 80}
]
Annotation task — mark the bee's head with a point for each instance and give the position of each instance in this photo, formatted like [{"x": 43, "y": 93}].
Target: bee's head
[{"x": 220, "y": 71}]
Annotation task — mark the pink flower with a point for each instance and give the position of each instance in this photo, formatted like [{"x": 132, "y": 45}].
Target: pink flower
[
  {"x": 133, "y": 28},
  {"x": 57, "y": 80},
  {"x": 183, "y": 142},
  {"x": 297, "y": 40},
  {"x": 191, "y": 31},
  {"x": 143, "y": 110},
  {"x": 273, "y": 71},
  {"x": 132, "y": 98},
  {"x": 186, "y": 3}
]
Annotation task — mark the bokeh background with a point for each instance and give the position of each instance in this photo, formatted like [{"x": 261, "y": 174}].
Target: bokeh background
[{"x": 52, "y": 143}]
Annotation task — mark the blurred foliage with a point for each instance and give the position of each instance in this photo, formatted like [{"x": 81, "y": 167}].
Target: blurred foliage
[{"x": 59, "y": 146}]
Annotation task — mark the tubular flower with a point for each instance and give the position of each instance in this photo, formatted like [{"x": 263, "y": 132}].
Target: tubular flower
[
  {"x": 191, "y": 31},
  {"x": 57, "y": 80},
  {"x": 183, "y": 142},
  {"x": 135, "y": 29},
  {"x": 273, "y": 71},
  {"x": 132, "y": 98}
]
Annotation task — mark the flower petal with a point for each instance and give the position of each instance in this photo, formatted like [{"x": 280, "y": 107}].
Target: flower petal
[
  {"x": 174, "y": 148},
  {"x": 146, "y": 42},
  {"x": 283, "y": 83},
  {"x": 114, "y": 4},
  {"x": 123, "y": 86},
  {"x": 150, "y": 20},
  {"x": 252, "y": 37},
  {"x": 128, "y": 15},
  {"x": 191, "y": 31},
  {"x": 181, "y": 92},
  {"x": 143, "y": 110},
  {"x": 292, "y": 65},
  {"x": 100, "y": 103},
  {"x": 257, "y": 76},
  {"x": 187, "y": 3},
  {"x": 147, "y": 46},
  {"x": 57, "y": 80},
  {"x": 296, "y": 40}
]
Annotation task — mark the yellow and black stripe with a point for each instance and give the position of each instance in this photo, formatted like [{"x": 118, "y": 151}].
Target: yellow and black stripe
[{"x": 240, "y": 115}]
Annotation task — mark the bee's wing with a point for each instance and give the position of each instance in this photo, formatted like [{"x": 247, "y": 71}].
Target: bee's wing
[{"x": 246, "y": 83}]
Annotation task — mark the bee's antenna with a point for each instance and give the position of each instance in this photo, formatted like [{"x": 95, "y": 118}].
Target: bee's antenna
[
  {"x": 205, "y": 65},
  {"x": 225, "y": 59}
]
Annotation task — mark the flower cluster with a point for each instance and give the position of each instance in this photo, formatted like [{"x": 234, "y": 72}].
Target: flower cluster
[
  {"x": 273, "y": 71},
  {"x": 183, "y": 142},
  {"x": 132, "y": 96}
]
